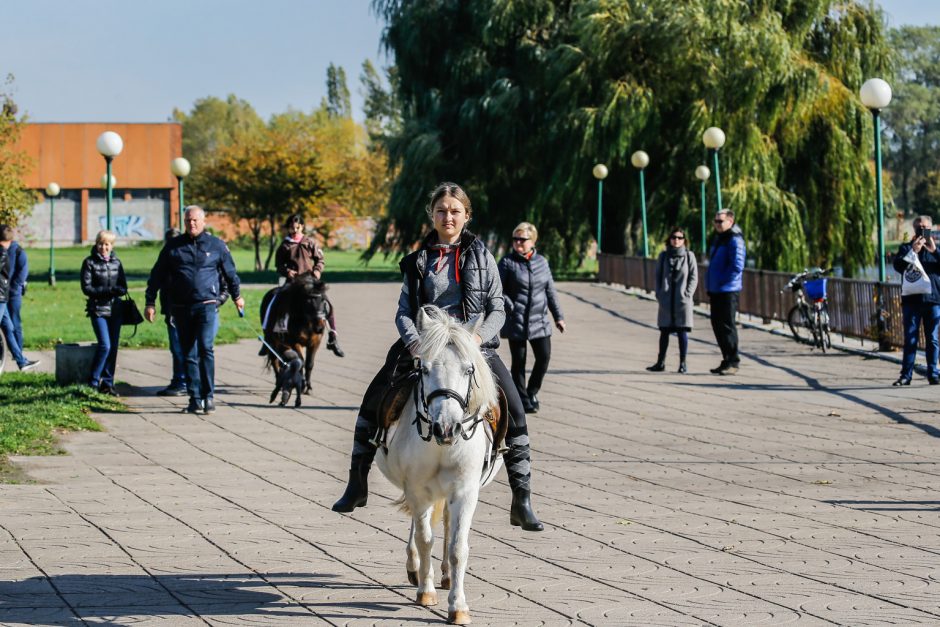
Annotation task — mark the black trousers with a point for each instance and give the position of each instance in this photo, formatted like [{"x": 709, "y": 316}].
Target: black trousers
[
  {"x": 724, "y": 309},
  {"x": 542, "y": 350}
]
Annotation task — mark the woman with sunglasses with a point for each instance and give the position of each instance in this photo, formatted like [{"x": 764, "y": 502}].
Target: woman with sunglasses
[
  {"x": 529, "y": 292},
  {"x": 676, "y": 280}
]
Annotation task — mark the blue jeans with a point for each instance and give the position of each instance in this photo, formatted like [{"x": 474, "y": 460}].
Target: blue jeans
[
  {"x": 179, "y": 379},
  {"x": 916, "y": 314},
  {"x": 196, "y": 325},
  {"x": 108, "y": 332},
  {"x": 13, "y": 306},
  {"x": 6, "y": 323}
]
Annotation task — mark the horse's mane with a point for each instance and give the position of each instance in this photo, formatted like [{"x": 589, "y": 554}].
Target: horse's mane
[{"x": 440, "y": 331}]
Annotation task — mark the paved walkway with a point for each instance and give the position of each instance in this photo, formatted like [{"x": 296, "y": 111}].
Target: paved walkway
[{"x": 802, "y": 490}]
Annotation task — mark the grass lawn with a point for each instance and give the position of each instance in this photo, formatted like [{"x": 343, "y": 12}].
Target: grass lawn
[
  {"x": 341, "y": 265},
  {"x": 33, "y": 410}
]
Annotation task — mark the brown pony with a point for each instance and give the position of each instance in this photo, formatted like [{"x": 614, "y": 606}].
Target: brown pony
[{"x": 303, "y": 301}]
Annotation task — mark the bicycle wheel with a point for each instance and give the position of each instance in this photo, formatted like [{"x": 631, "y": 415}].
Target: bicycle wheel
[
  {"x": 819, "y": 337},
  {"x": 824, "y": 326},
  {"x": 800, "y": 325}
]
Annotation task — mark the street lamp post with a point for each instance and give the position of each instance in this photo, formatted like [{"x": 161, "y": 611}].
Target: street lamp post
[
  {"x": 600, "y": 173},
  {"x": 702, "y": 173},
  {"x": 876, "y": 95},
  {"x": 109, "y": 145},
  {"x": 640, "y": 160},
  {"x": 714, "y": 139},
  {"x": 180, "y": 168},
  {"x": 52, "y": 190}
]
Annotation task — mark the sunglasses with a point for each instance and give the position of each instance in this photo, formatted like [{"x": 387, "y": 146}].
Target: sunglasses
[
  {"x": 519, "y": 240},
  {"x": 677, "y": 237},
  {"x": 719, "y": 221}
]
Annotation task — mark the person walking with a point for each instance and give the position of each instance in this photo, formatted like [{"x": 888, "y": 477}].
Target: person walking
[
  {"x": 190, "y": 267},
  {"x": 724, "y": 279},
  {"x": 454, "y": 271},
  {"x": 676, "y": 280},
  {"x": 299, "y": 254},
  {"x": 529, "y": 293},
  {"x": 920, "y": 309},
  {"x": 104, "y": 283},
  {"x": 178, "y": 385},
  {"x": 19, "y": 275},
  {"x": 12, "y": 285}
]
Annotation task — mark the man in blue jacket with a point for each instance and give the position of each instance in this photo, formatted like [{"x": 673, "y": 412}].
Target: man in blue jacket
[
  {"x": 191, "y": 268},
  {"x": 725, "y": 271},
  {"x": 920, "y": 309},
  {"x": 13, "y": 272}
]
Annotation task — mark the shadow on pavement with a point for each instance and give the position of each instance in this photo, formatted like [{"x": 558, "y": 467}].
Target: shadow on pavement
[{"x": 113, "y": 599}]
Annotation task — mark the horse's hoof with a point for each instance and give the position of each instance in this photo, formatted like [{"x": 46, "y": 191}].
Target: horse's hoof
[
  {"x": 427, "y": 599},
  {"x": 413, "y": 577},
  {"x": 459, "y": 617},
  {"x": 445, "y": 583}
]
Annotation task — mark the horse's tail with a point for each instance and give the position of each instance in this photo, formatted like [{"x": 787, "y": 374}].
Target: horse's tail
[{"x": 437, "y": 514}]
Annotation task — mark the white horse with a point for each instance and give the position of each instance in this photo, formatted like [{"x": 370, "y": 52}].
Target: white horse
[{"x": 439, "y": 454}]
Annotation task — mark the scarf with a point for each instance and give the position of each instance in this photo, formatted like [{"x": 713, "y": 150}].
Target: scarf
[{"x": 446, "y": 249}]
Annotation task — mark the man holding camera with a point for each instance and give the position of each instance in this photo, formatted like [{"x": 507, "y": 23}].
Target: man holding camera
[{"x": 920, "y": 308}]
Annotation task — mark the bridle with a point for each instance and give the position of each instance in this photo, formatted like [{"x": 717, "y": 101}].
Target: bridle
[{"x": 469, "y": 423}]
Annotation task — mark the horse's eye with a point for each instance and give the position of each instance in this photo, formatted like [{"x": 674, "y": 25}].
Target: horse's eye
[{"x": 425, "y": 370}]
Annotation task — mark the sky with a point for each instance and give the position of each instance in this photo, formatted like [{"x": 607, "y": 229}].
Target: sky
[{"x": 137, "y": 60}]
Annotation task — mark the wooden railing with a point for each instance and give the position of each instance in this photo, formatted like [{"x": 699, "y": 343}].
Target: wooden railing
[{"x": 852, "y": 303}]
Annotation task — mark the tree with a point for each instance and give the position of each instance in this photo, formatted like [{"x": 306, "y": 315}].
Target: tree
[
  {"x": 337, "y": 102},
  {"x": 517, "y": 99},
  {"x": 213, "y": 124},
  {"x": 913, "y": 119},
  {"x": 264, "y": 177},
  {"x": 382, "y": 107},
  {"x": 16, "y": 201}
]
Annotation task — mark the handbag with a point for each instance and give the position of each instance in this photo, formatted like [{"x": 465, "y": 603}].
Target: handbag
[
  {"x": 130, "y": 314},
  {"x": 915, "y": 279}
]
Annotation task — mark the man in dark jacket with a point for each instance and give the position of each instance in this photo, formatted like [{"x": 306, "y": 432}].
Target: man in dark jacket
[
  {"x": 725, "y": 272},
  {"x": 920, "y": 308},
  {"x": 12, "y": 282},
  {"x": 178, "y": 382},
  {"x": 190, "y": 267},
  {"x": 19, "y": 273}
]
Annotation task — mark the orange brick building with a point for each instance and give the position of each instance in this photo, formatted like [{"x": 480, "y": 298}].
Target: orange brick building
[{"x": 145, "y": 201}]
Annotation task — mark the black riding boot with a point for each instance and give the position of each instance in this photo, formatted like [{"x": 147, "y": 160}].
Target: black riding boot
[
  {"x": 357, "y": 490},
  {"x": 333, "y": 344},
  {"x": 517, "y": 467}
]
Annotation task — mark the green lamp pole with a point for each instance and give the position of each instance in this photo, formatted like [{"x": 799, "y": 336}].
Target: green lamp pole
[
  {"x": 640, "y": 160},
  {"x": 180, "y": 168},
  {"x": 875, "y": 94},
  {"x": 600, "y": 173},
  {"x": 52, "y": 190},
  {"x": 702, "y": 173},
  {"x": 714, "y": 139},
  {"x": 109, "y": 145}
]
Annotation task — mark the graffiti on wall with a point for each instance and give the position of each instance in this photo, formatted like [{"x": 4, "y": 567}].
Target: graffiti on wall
[{"x": 127, "y": 226}]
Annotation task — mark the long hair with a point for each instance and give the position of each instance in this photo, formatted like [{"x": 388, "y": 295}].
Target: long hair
[{"x": 441, "y": 331}]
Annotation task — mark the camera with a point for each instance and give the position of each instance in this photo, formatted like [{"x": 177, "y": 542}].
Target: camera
[{"x": 927, "y": 233}]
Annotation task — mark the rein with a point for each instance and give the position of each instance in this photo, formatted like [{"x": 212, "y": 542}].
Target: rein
[{"x": 422, "y": 401}]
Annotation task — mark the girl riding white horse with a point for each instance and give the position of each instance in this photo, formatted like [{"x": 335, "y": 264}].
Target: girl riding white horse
[{"x": 455, "y": 391}]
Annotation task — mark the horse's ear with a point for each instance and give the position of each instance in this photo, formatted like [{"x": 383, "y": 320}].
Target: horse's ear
[{"x": 423, "y": 319}]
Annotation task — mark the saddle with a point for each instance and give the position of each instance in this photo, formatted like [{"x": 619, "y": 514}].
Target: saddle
[{"x": 402, "y": 387}]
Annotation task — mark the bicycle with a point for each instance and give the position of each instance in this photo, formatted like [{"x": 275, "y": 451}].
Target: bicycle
[{"x": 809, "y": 317}]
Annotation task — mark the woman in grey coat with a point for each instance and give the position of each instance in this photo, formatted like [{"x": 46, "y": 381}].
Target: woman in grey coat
[
  {"x": 529, "y": 292},
  {"x": 676, "y": 280}
]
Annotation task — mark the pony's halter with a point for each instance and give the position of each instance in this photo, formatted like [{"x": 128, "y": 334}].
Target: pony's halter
[{"x": 468, "y": 425}]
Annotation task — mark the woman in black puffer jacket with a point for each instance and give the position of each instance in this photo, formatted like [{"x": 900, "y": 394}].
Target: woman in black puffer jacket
[
  {"x": 529, "y": 292},
  {"x": 104, "y": 283}
]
